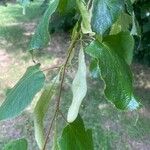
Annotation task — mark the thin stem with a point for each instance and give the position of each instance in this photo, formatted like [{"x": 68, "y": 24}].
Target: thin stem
[
  {"x": 51, "y": 68},
  {"x": 70, "y": 49},
  {"x": 65, "y": 65},
  {"x": 50, "y": 128}
]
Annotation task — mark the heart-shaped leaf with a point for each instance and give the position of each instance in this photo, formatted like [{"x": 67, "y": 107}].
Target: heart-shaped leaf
[
  {"x": 116, "y": 75},
  {"x": 76, "y": 137}
]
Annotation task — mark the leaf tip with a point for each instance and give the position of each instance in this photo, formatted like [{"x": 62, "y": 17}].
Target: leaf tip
[{"x": 133, "y": 104}]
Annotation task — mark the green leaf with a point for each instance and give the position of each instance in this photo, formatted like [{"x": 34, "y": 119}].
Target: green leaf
[
  {"x": 122, "y": 24},
  {"x": 66, "y": 6},
  {"x": 86, "y": 17},
  {"x": 135, "y": 26},
  {"x": 20, "y": 144},
  {"x": 22, "y": 93},
  {"x": 79, "y": 88},
  {"x": 105, "y": 13},
  {"x": 116, "y": 75},
  {"x": 122, "y": 43},
  {"x": 129, "y": 6},
  {"x": 40, "y": 112},
  {"x": 41, "y": 37},
  {"x": 76, "y": 137},
  {"x": 94, "y": 69}
]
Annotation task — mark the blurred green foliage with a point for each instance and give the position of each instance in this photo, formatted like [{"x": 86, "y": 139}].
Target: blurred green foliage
[
  {"x": 65, "y": 16},
  {"x": 142, "y": 13}
]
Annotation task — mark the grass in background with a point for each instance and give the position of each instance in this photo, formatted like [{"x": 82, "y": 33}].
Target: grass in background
[
  {"x": 13, "y": 13},
  {"x": 13, "y": 24},
  {"x": 15, "y": 32},
  {"x": 112, "y": 129}
]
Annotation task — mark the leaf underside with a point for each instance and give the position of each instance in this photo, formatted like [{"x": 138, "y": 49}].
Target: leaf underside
[
  {"x": 105, "y": 13},
  {"x": 21, "y": 95}
]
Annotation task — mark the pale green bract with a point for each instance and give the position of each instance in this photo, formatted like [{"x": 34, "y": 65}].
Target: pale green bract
[
  {"x": 116, "y": 75},
  {"x": 41, "y": 37},
  {"x": 21, "y": 95},
  {"x": 86, "y": 17},
  {"x": 55, "y": 138},
  {"x": 24, "y": 4},
  {"x": 79, "y": 88}
]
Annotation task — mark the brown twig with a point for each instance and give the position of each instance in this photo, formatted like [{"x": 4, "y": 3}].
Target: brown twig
[
  {"x": 50, "y": 68},
  {"x": 72, "y": 45},
  {"x": 50, "y": 128}
]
